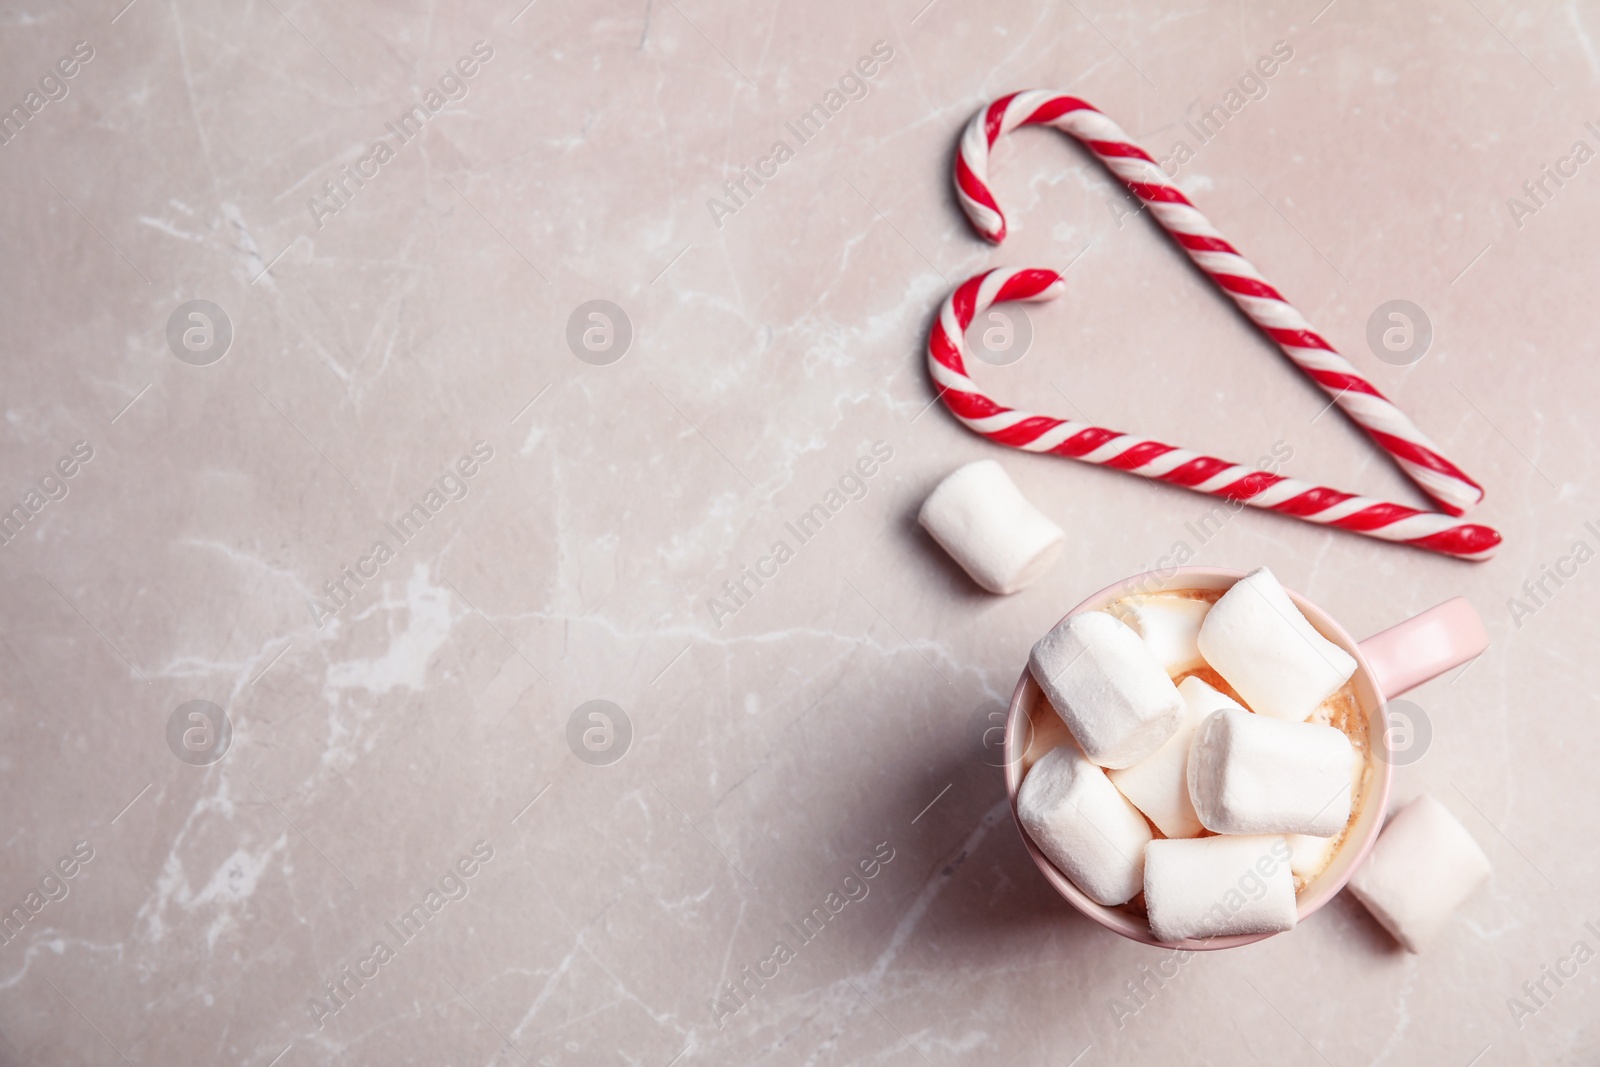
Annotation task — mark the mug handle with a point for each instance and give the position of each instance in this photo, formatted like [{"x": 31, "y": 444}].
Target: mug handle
[{"x": 1425, "y": 646}]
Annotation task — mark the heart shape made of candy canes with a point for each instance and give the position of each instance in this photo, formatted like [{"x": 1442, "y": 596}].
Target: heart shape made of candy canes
[{"x": 1388, "y": 427}]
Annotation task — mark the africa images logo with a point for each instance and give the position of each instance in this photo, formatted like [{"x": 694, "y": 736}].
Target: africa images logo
[{"x": 454, "y": 85}]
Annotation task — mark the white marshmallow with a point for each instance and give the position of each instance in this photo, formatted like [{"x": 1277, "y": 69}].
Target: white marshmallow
[
  {"x": 1078, "y": 819},
  {"x": 1169, "y": 626},
  {"x": 1310, "y": 854},
  {"x": 1423, "y": 866},
  {"x": 1250, "y": 774},
  {"x": 979, "y": 516},
  {"x": 1275, "y": 660},
  {"x": 1158, "y": 785},
  {"x": 1112, "y": 694},
  {"x": 1217, "y": 886}
]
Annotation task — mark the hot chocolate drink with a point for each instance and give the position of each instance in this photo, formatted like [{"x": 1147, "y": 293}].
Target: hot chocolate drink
[{"x": 1168, "y": 622}]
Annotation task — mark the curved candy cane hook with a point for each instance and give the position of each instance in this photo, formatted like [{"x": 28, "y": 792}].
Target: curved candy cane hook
[{"x": 1386, "y": 424}]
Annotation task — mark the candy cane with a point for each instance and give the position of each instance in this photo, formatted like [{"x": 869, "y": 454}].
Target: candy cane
[
  {"x": 1388, "y": 426},
  {"x": 947, "y": 358}
]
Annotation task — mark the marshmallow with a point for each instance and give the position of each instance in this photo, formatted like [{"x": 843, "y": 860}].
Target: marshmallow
[
  {"x": 1217, "y": 886},
  {"x": 1169, "y": 626},
  {"x": 1112, "y": 694},
  {"x": 1422, "y": 868},
  {"x": 1275, "y": 660},
  {"x": 1309, "y": 855},
  {"x": 1077, "y": 818},
  {"x": 1250, "y": 774},
  {"x": 1158, "y": 785},
  {"x": 979, "y": 516}
]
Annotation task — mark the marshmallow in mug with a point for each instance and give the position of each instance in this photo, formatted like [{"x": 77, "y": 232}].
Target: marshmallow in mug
[
  {"x": 1309, "y": 854},
  {"x": 1169, "y": 627},
  {"x": 1251, "y": 774},
  {"x": 1107, "y": 687},
  {"x": 1089, "y": 831},
  {"x": 1424, "y": 865},
  {"x": 1158, "y": 785},
  {"x": 1276, "y": 661},
  {"x": 979, "y": 516},
  {"x": 1218, "y": 886}
]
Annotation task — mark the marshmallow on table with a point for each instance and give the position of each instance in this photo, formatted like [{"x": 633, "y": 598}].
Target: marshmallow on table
[
  {"x": 1089, "y": 830},
  {"x": 1308, "y": 854},
  {"x": 1217, "y": 886},
  {"x": 1158, "y": 785},
  {"x": 1107, "y": 687},
  {"x": 979, "y": 516},
  {"x": 1250, "y": 774},
  {"x": 1169, "y": 626},
  {"x": 1275, "y": 660},
  {"x": 1423, "y": 866}
]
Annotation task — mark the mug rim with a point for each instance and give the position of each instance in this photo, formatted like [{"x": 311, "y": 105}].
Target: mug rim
[{"x": 1319, "y": 892}]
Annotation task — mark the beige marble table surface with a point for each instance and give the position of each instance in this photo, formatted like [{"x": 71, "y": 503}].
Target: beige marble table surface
[{"x": 397, "y": 216}]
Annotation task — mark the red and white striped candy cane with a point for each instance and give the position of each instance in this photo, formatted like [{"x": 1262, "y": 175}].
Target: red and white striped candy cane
[
  {"x": 1396, "y": 434},
  {"x": 1152, "y": 459}
]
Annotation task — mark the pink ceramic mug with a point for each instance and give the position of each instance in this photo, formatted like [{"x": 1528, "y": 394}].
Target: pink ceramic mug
[{"x": 1387, "y": 665}]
